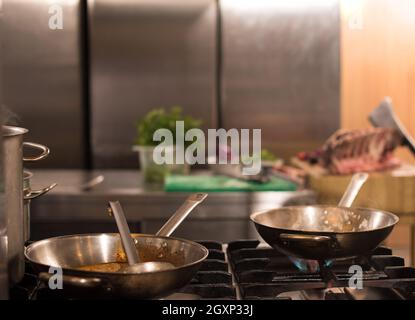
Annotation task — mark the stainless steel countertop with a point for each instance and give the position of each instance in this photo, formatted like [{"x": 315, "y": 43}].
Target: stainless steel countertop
[{"x": 142, "y": 202}]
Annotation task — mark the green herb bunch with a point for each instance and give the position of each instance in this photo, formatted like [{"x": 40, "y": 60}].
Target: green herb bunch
[{"x": 161, "y": 118}]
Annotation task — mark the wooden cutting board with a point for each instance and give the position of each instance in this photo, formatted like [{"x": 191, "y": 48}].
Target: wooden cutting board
[{"x": 391, "y": 191}]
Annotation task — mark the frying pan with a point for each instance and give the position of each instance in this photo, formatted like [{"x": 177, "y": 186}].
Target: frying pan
[
  {"x": 326, "y": 232},
  {"x": 74, "y": 251}
]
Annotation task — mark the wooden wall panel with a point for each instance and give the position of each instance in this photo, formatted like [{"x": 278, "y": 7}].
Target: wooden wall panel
[{"x": 377, "y": 60}]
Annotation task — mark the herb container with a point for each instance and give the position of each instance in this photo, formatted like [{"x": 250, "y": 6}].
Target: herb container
[{"x": 154, "y": 173}]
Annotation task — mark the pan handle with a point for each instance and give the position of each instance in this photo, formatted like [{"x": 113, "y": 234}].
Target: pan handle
[
  {"x": 176, "y": 219},
  {"x": 304, "y": 238},
  {"x": 75, "y": 281},
  {"x": 356, "y": 183}
]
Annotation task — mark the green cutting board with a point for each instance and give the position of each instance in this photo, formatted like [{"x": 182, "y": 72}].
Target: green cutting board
[{"x": 204, "y": 183}]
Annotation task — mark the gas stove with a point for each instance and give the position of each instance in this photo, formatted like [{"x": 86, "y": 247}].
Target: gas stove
[
  {"x": 244, "y": 269},
  {"x": 264, "y": 273}
]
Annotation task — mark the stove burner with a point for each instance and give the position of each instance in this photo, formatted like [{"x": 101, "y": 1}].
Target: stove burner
[
  {"x": 213, "y": 281},
  {"x": 249, "y": 271},
  {"x": 310, "y": 265},
  {"x": 264, "y": 273}
]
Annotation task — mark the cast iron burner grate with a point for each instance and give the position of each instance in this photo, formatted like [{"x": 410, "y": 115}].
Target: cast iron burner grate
[
  {"x": 264, "y": 273},
  {"x": 250, "y": 271},
  {"x": 213, "y": 281}
]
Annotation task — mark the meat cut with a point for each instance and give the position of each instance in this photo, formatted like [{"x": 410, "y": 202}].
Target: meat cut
[{"x": 350, "y": 151}]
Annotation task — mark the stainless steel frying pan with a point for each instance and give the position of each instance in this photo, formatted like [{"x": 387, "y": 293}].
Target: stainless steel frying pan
[
  {"x": 68, "y": 252},
  {"x": 325, "y": 232},
  {"x": 71, "y": 252}
]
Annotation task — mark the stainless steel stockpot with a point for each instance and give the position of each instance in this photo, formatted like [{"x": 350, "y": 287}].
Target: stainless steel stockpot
[{"x": 13, "y": 203}]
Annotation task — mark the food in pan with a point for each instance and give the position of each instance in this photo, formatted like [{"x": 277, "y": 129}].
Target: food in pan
[
  {"x": 119, "y": 267},
  {"x": 103, "y": 267}
]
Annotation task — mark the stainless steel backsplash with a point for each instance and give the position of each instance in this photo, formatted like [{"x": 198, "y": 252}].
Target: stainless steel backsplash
[
  {"x": 4, "y": 281},
  {"x": 269, "y": 64},
  {"x": 144, "y": 55},
  {"x": 43, "y": 86},
  {"x": 280, "y": 71}
]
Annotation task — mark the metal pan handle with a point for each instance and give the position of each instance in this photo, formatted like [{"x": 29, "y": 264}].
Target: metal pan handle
[
  {"x": 177, "y": 218},
  {"x": 37, "y": 193},
  {"x": 44, "y": 151},
  {"x": 75, "y": 281},
  {"x": 356, "y": 183},
  {"x": 305, "y": 238}
]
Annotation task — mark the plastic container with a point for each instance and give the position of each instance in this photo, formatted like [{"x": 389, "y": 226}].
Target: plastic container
[{"x": 154, "y": 173}]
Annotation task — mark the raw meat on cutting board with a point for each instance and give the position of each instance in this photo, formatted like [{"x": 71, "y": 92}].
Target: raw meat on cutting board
[{"x": 371, "y": 149}]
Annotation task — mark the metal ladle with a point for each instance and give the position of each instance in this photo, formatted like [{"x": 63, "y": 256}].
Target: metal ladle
[{"x": 134, "y": 264}]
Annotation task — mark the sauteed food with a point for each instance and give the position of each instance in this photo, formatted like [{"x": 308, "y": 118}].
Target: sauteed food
[
  {"x": 102, "y": 267},
  {"x": 120, "y": 267}
]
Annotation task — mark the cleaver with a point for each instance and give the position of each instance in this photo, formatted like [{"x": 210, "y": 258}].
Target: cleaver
[{"x": 384, "y": 116}]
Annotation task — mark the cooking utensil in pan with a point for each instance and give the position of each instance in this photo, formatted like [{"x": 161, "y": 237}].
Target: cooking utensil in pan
[
  {"x": 71, "y": 252},
  {"x": 325, "y": 232},
  {"x": 116, "y": 210},
  {"x": 175, "y": 220}
]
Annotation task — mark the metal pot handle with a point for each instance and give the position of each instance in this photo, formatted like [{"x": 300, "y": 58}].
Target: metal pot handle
[
  {"x": 75, "y": 281},
  {"x": 45, "y": 151},
  {"x": 37, "y": 193},
  {"x": 304, "y": 238}
]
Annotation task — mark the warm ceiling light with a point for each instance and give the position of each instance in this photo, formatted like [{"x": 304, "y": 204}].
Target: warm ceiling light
[
  {"x": 352, "y": 12},
  {"x": 351, "y": 7}
]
